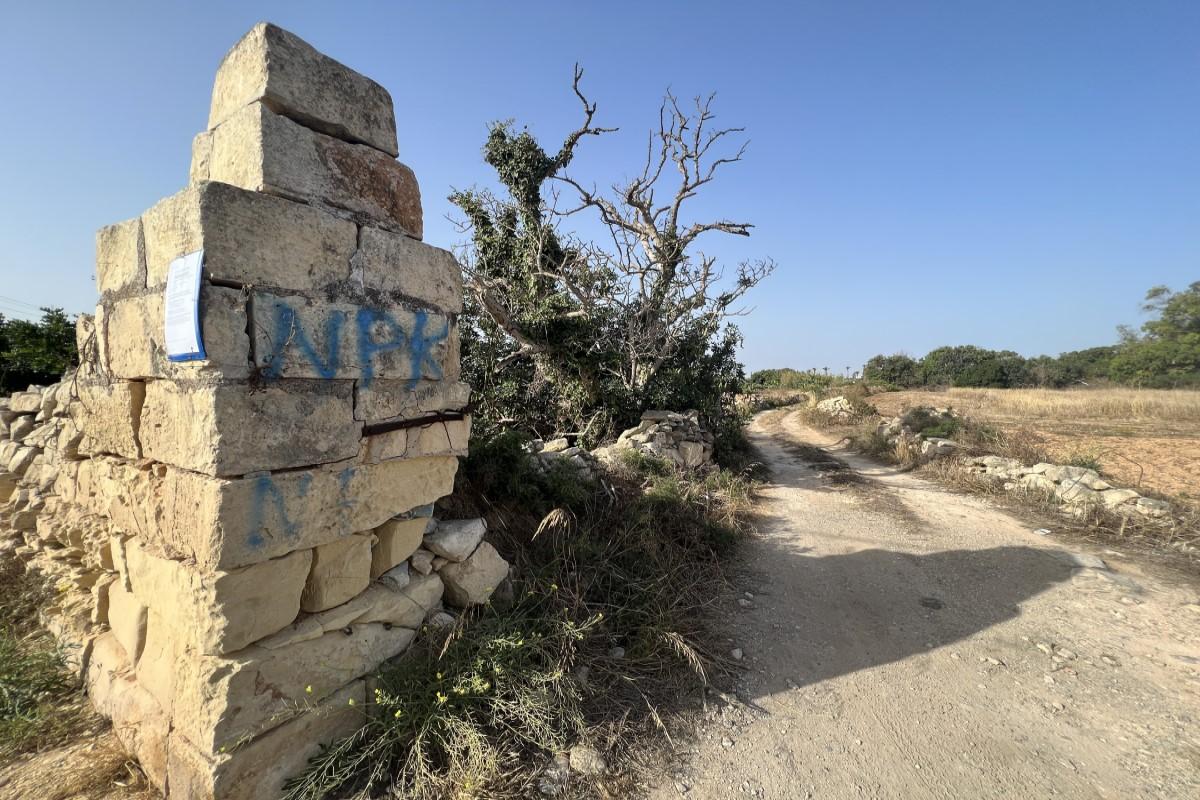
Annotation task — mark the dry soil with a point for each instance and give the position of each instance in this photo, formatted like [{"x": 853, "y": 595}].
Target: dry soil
[{"x": 899, "y": 640}]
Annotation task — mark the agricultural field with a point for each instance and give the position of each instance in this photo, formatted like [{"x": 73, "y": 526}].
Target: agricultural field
[{"x": 1143, "y": 438}]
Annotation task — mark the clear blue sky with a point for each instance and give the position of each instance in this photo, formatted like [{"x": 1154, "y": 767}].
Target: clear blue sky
[{"x": 1008, "y": 174}]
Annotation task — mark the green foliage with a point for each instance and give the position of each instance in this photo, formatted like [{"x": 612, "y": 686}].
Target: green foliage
[
  {"x": 1167, "y": 353},
  {"x": 895, "y": 370},
  {"x": 35, "y": 690},
  {"x": 787, "y": 378},
  {"x": 932, "y": 423},
  {"x": 36, "y": 352},
  {"x": 475, "y": 711},
  {"x": 563, "y": 336}
]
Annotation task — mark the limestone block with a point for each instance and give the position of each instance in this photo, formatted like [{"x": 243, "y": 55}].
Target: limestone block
[
  {"x": 389, "y": 606},
  {"x": 422, "y": 561},
  {"x": 258, "y": 769},
  {"x": 1115, "y": 497},
  {"x": 398, "y": 577},
  {"x": 259, "y": 150},
  {"x": 234, "y": 429},
  {"x": 295, "y": 80},
  {"x": 1037, "y": 482},
  {"x": 142, "y": 726},
  {"x": 472, "y": 582},
  {"x": 165, "y": 650},
  {"x": 1148, "y": 506},
  {"x": 21, "y": 427},
  {"x": 395, "y": 541},
  {"x": 1076, "y": 493},
  {"x": 399, "y": 266},
  {"x": 446, "y": 438},
  {"x": 248, "y": 237},
  {"x": 134, "y": 337},
  {"x": 297, "y": 337},
  {"x": 107, "y": 664},
  {"x": 21, "y": 462},
  {"x": 28, "y": 402},
  {"x": 426, "y": 591},
  {"x": 456, "y": 539},
  {"x": 108, "y": 416},
  {"x": 220, "y": 701},
  {"x": 223, "y": 524},
  {"x": 127, "y": 617},
  {"x": 100, "y": 595},
  {"x": 120, "y": 257},
  {"x": 201, "y": 157},
  {"x": 340, "y": 570},
  {"x": 384, "y": 400},
  {"x": 223, "y": 611}
]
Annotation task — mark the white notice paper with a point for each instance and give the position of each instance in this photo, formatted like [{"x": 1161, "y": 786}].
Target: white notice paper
[{"x": 182, "y": 308}]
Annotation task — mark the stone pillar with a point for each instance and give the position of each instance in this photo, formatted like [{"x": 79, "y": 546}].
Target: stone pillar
[{"x": 251, "y": 534}]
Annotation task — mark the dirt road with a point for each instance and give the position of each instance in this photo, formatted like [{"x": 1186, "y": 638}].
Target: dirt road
[{"x": 903, "y": 641}]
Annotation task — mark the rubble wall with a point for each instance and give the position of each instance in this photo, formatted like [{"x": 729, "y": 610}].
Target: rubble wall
[{"x": 238, "y": 541}]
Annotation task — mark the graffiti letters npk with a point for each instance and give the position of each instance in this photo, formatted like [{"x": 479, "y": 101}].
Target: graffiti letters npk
[{"x": 300, "y": 338}]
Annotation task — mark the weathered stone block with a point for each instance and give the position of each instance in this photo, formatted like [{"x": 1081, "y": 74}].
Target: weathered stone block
[
  {"x": 248, "y": 237},
  {"x": 134, "y": 337},
  {"x": 384, "y": 400},
  {"x": 259, "y": 769},
  {"x": 220, "y": 701},
  {"x": 127, "y": 617},
  {"x": 233, "y": 429},
  {"x": 456, "y": 539},
  {"x": 398, "y": 265},
  {"x": 259, "y": 150},
  {"x": 224, "y": 524},
  {"x": 120, "y": 257},
  {"x": 446, "y": 438},
  {"x": 165, "y": 651},
  {"x": 472, "y": 581},
  {"x": 396, "y": 540},
  {"x": 340, "y": 570},
  {"x": 108, "y": 416},
  {"x": 142, "y": 726},
  {"x": 223, "y": 611},
  {"x": 29, "y": 402},
  {"x": 295, "y": 337},
  {"x": 295, "y": 80}
]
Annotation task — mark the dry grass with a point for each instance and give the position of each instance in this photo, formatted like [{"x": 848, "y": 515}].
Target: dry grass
[
  {"x": 1114, "y": 404},
  {"x": 1148, "y": 439}
]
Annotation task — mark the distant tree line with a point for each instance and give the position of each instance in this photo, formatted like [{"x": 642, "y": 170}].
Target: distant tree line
[
  {"x": 1164, "y": 353},
  {"x": 36, "y": 352}
]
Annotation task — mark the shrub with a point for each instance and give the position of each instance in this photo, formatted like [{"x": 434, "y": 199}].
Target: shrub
[
  {"x": 633, "y": 565},
  {"x": 38, "y": 706},
  {"x": 931, "y": 423}
]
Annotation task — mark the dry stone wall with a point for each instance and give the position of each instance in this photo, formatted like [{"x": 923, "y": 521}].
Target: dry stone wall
[{"x": 238, "y": 541}]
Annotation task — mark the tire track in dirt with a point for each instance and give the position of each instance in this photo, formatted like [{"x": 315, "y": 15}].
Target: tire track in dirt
[{"x": 902, "y": 640}]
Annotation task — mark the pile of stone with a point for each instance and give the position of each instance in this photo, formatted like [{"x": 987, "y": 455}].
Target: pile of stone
[
  {"x": 560, "y": 453},
  {"x": 239, "y": 540},
  {"x": 839, "y": 408},
  {"x": 915, "y": 447},
  {"x": 1075, "y": 487},
  {"x": 676, "y": 438},
  {"x": 37, "y": 434}
]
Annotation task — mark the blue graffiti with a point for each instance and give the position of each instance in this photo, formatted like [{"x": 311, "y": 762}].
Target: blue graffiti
[
  {"x": 421, "y": 351},
  {"x": 377, "y": 333},
  {"x": 265, "y": 491},
  {"x": 288, "y": 331}
]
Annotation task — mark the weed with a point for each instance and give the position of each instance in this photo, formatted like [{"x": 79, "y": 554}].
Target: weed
[
  {"x": 606, "y": 628},
  {"x": 38, "y": 705}
]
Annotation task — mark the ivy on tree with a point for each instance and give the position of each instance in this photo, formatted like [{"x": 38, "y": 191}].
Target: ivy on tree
[{"x": 562, "y": 334}]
